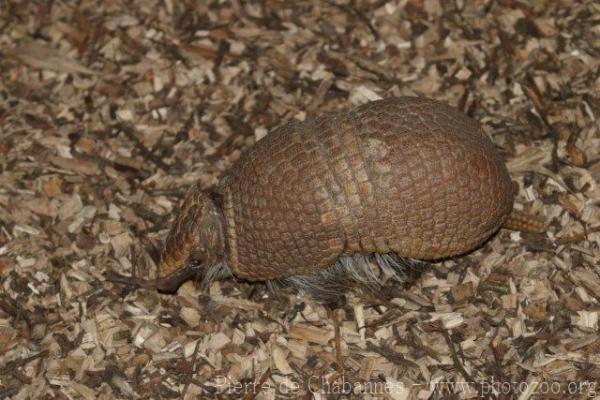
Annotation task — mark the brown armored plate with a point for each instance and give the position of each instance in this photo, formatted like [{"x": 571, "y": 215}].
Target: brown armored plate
[{"x": 406, "y": 175}]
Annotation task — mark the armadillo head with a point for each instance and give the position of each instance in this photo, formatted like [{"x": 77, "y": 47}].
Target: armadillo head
[{"x": 195, "y": 242}]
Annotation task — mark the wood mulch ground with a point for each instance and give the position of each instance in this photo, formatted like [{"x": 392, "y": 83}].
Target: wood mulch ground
[{"x": 110, "y": 110}]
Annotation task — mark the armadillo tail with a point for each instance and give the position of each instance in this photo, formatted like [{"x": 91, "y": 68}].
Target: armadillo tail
[{"x": 524, "y": 222}]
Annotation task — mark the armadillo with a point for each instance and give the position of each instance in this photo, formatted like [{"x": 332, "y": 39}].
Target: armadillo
[{"x": 399, "y": 178}]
